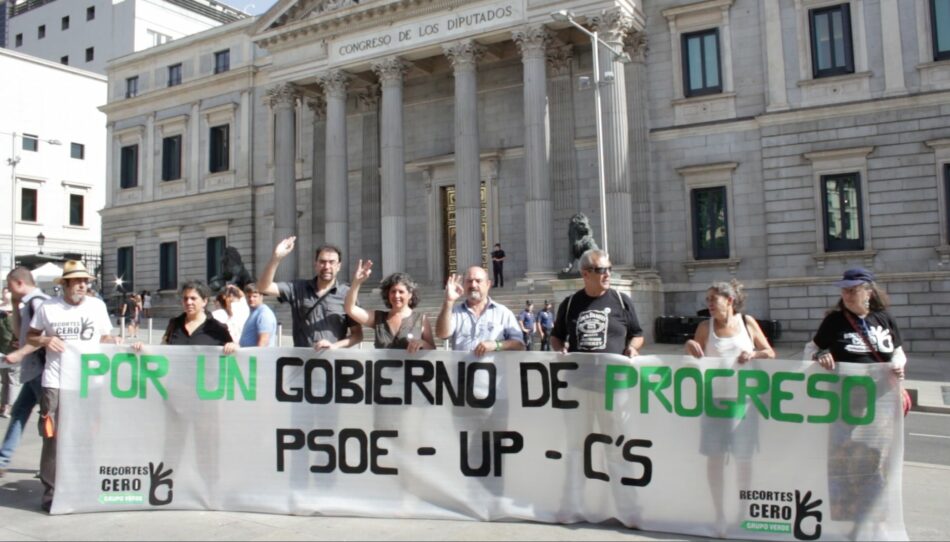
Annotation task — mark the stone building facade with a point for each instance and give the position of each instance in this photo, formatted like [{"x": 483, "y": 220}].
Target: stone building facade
[{"x": 778, "y": 142}]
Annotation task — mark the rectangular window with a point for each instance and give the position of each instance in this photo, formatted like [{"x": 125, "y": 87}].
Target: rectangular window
[
  {"x": 841, "y": 205},
  {"x": 174, "y": 75},
  {"x": 90, "y": 13},
  {"x": 77, "y": 151},
  {"x": 90, "y": 54},
  {"x": 64, "y": 24},
  {"x": 41, "y": 32},
  {"x": 18, "y": 40},
  {"x": 157, "y": 38},
  {"x": 124, "y": 268},
  {"x": 28, "y": 204},
  {"x": 131, "y": 87},
  {"x": 64, "y": 60},
  {"x": 171, "y": 158},
  {"x": 701, "y": 70},
  {"x": 215, "y": 257},
  {"x": 218, "y": 159},
  {"x": 129, "y": 174},
  {"x": 76, "y": 207},
  {"x": 710, "y": 227},
  {"x": 168, "y": 266},
  {"x": 31, "y": 143},
  {"x": 831, "y": 48},
  {"x": 222, "y": 61},
  {"x": 940, "y": 27}
]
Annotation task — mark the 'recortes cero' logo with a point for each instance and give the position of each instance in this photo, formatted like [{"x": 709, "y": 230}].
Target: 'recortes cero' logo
[
  {"x": 124, "y": 484},
  {"x": 783, "y": 512}
]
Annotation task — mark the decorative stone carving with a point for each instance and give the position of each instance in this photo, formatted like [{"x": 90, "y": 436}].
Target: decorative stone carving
[
  {"x": 612, "y": 25},
  {"x": 580, "y": 236},
  {"x": 318, "y": 104},
  {"x": 334, "y": 83},
  {"x": 464, "y": 53},
  {"x": 532, "y": 40},
  {"x": 391, "y": 70},
  {"x": 368, "y": 98},
  {"x": 282, "y": 95},
  {"x": 559, "y": 57},
  {"x": 636, "y": 46}
]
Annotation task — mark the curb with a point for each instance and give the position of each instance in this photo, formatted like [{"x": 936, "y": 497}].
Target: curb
[{"x": 932, "y": 409}]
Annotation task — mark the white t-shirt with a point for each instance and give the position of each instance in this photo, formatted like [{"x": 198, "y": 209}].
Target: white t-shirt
[{"x": 85, "y": 322}]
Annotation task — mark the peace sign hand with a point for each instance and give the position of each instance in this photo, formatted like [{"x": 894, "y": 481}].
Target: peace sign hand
[
  {"x": 362, "y": 272},
  {"x": 453, "y": 288}
]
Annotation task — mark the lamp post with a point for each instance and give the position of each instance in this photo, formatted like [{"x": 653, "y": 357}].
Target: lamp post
[
  {"x": 40, "y": 241},
  {"x": 566, "y": 16},
  {"x": 12, "y": 161}
]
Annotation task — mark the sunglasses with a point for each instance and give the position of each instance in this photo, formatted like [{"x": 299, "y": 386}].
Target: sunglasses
[{"x": 601, "y": 270}]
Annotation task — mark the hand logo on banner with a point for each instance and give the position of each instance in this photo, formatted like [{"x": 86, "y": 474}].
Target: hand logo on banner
[{"x": 159, "y": 479}]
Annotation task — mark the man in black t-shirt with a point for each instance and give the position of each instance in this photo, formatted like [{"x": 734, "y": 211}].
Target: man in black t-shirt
[
  {"x": 498, "y": 266},
  {"x": 596, "y": 318}
]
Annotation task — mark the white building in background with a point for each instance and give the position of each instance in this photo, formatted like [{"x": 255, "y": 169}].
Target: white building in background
[
  {"x": 59, "y": 149},
  {"x": 89, "y": 33}
]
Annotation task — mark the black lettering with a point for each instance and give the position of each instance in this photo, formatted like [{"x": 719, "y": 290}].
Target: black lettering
[
  {"x": 418, "y": 379},
  {"x": 315, "y": 446},
  {"x": 443, "y": 384},
  {"x": 376, "y": 451},
  {"x": 489, "y": 399},
  {"x": 558, "y": 384},
  {"x": 345, "y": 373},
  {"x": 498, "y": 439},
  {"x": 294, "y": 395},
  {"x": 545, "y": 396},
  {"x": 485, "y": 468},
  {"x": 308, "y": 381},
  {"x": 589, "y": 442},
  {"x": 295, "y": 442},
  {"x": 360, "y": 437},
  {"x": 644, "y": 461},
  {"x": 379, "y": 381}
]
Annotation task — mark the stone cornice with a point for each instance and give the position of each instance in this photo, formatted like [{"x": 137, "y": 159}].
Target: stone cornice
[
  {"x": 464, "y": 53},
  {"x": 166, "y": 97}
]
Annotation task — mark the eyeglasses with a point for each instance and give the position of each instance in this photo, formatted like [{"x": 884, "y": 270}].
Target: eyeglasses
[{"x": 601, "y": 270}]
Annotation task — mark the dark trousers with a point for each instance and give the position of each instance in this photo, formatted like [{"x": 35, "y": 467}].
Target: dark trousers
[
  {"x": 546, "y": 339},
  {"x": 49, "y": 407},
  {"x": 499, "y": 276}
]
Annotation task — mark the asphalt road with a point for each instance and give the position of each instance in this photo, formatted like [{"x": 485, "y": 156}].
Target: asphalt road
[{"x": 927, "y": 438}]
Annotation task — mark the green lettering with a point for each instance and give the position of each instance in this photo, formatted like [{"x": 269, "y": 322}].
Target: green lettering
[
  {"x": 147, "y": 373},
  {"x": 648, "y": 384},
  {"x": 203, "y": 392},
  {"x": 848, "y": 386},
  {"x": 248, "y": 387},
  {"x": 118, "y": 361},
  {"x": 87, "y": 370},
  {"x": 729, "y": 408},
  {"x": 749, "y": 392},
  {"x": 696, "y": 376},
  {"x": 618, "y": 377},
  {"x": 828, "y": 395},
  {"x": 779, "y": 395}
]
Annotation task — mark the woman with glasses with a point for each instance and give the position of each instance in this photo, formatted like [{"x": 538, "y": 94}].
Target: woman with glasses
[{"x": 859, "y": 329}]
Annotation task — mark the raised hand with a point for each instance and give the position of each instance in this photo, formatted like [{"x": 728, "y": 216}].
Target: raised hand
[
  {"x": 284, "y": 247},
  {"x": 362, "y": 272},
  {"x": 453, "y": 288}
]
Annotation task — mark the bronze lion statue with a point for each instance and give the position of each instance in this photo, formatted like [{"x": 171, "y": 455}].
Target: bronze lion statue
[
  {"x": 232, "y": 271},
  {"x": 581, "y": 239}
]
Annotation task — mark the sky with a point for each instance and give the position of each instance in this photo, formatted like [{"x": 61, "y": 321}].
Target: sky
[{"x": 254, "y": 7}]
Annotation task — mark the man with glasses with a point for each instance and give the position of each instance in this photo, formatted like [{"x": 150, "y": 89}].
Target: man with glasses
[
  {"x": 316, "y": 304},
  {"x": 597, "y": 318}
]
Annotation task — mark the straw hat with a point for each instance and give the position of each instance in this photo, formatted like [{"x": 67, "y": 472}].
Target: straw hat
[{"x": 74, "y": 270}]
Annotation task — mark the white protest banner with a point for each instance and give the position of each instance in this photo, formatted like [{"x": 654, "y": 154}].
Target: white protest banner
[{"x": 778, "y": 450}]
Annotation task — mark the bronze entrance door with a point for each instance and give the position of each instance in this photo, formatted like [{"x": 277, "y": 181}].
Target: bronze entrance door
[{"x": 449, "y": 254}]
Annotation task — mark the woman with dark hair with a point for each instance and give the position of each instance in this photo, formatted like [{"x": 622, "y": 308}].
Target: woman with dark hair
[
  {"x": 195, "y": 326},
  {"x": 860, "y": 330},
  {"x": 400, "y": 328}
]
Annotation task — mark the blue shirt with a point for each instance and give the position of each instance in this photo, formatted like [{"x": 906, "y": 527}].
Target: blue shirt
[
  {"x": 261, "y": 320},
  {"x": 547, "y": 319},
  {"x": 527, "y": 318},
  {"x": 496, "y": 323}
]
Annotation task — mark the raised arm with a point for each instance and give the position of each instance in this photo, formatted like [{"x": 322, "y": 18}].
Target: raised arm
[
  {"x": 359, "y": 315},
  {"x": 265, "y": 282},
  {"x": 453, "y": 290}
]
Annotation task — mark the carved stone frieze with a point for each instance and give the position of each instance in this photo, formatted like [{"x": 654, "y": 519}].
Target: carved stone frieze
[
  {"x": 612, "y": 25},
  {"x": 532, "y": 40},
  {"x": 391, "y": 70},
  {"x": 368, "y": 98},
  {"x": 559, "y": 57},
  {"x": 464, "y": 53},
  {"x": 281, "y": 95},
  {"x": 636, "y": 46},
  {"x": 334, "y": 83},
  {"x": 318, "y": 104}
]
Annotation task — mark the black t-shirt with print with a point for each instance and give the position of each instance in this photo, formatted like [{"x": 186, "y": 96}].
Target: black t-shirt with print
[
  {"x": 597, "y": 324},
  {"x": 839, "y": 336}
]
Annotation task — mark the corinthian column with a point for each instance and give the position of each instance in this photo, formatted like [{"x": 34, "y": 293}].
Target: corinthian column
[
  {"x": 336, "y": 202},
  {"x": 468, "y": 234},
  {"x": 282, "y": 100},
  {"x": 612, "y": 26},
  {"x": 532, "y": 41},
  {"x": 393, "y": 187},
  {"x": 318, "y": 106}
]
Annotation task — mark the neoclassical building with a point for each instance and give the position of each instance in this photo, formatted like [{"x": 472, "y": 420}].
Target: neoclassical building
[{"x": 775, "y": 141}]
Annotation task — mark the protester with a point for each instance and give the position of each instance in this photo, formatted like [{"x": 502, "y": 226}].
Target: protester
[
  {"x": 239, "y": 311},
  {"x": 732, "y": 335},
  {"x": 400, "y": 328},
  {"x": 130, "y": 311},
  {"x": 316, "y": 304},
  {"x": 261, "y": 326},
  {"x": 29, "y": 358},
  {"x": 858, "y": 330},
  {"x": 528, "y": 323},
  {"x": 195, "y": 326},
  {"x": 597, "y": 318},
  {"x": 8, "y": 343},
  {"x": 72, "y": 318},
  {"x": 147, "y": 303},
  {"x": 546, "y": 323},
  {"x": 478, "y": 324}
]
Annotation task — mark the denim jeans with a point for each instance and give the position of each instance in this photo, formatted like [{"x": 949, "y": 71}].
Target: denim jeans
[{"x": 28, "y": 398}]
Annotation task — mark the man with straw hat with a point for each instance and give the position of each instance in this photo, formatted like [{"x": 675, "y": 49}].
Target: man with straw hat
[{"x": 72, "y": 318}]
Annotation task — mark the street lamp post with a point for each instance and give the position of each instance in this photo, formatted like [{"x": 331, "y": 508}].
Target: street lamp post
[
  {"x": 566, "y": 16},
  {"x": 12, "y": 161},
  {"x": 40, "y": 241}
]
